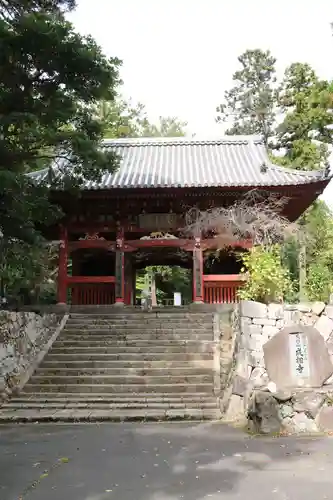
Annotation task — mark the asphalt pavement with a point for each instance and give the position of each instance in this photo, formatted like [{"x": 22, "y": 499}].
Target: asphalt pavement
[{"x": 160, "y": 462}]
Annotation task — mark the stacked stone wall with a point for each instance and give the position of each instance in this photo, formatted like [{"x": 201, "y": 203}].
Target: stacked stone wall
[{"x": 23, "y": 337}]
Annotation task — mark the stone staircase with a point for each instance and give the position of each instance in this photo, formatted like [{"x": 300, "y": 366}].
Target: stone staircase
[{"x": 124, "y": 365}]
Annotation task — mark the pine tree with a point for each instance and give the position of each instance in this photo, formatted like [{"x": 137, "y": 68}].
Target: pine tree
[
  {"x": 249, "y": 105},
  {"x": 305, "y": 101}
]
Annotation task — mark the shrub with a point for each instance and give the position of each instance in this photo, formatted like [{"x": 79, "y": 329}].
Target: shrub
[
  {"x": 267, "y": 280},
  {"x": 319, "y": 282}
]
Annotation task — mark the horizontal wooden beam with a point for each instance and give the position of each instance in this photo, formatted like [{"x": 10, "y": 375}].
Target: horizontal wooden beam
[
  {"x": 161, "y": 242},
  {"x": 91, "y": 227},
  {"x": 223, "y": 278},
  {"x": 133, "y": 245},
  {"x": 75, "y": 280},
  {"x": 104, "y": 244}
]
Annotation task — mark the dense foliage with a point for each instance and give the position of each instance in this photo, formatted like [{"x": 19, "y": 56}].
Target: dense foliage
[
  {"x": 27, "y": 271},
  {"x": 168, "y": 280},
  {"x": 50, "y": 75},
  {"x": 267, "y": 279},
  {"x": 295, "y": 117},
  {"x": 122, "y": 118},
  {"x": 306, "y": 104},
  {"x": 13, "y": 8},
  {"x": 50, "y": 78},
  {"x": 318, "y": 221}
]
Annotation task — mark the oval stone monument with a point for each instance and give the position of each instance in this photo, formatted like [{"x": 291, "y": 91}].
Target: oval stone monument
[{"x": 297, "y": 356}]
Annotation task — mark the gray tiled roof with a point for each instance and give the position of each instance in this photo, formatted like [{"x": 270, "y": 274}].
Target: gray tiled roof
[{"x": 182, "y": 162}]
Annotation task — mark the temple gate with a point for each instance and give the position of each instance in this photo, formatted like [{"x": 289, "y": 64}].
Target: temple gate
[{"x": 136, "y": 216}]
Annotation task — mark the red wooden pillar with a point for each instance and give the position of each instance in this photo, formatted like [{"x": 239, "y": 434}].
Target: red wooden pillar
[
  {"x": 197, "y": 272},
  {"x": 120, "y": 269},
  {"x": 128, "y": 279},
  {"x": 62, "y": 267},
  {"x": 134, "y": 286},
  {"x": 75, "y": 272}
]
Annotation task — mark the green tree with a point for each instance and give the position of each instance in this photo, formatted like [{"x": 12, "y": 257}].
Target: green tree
[
  {"x": 170, "y": 279},
  {"x": 50, "y": 77},
  {"x": 166, "y": 127},
  {"x": 305, "y": 101},
  {"x": 122, "y": 118},
  {"x": 13, "y": 8},
  {"x": 249, "y": 105},
  {"x": 26, "y": 270}
]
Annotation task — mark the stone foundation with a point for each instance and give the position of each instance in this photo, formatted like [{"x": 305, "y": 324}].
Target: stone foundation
[
  {"x": 294, "y": 412},
  {"x": 23, "y": 336}
]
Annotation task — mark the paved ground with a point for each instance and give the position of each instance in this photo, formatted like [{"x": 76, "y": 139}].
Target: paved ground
[{"x": 160, "y": 462}]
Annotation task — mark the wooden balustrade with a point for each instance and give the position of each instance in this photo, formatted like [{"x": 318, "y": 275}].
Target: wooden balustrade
[
  {"x": 222, "y": 289},
  {"x": 91, "y": 290}
]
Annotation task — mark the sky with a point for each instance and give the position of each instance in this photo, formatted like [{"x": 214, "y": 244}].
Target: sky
[{"x": 179, "y": 55}]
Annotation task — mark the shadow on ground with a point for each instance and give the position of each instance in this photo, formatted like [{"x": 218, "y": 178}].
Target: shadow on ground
[{"x": 159, "y": 462}]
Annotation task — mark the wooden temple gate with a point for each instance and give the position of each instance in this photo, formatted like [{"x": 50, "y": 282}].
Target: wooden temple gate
[
  {"x": 119, "y": 288},
  {"x": 157, "y": 182}
]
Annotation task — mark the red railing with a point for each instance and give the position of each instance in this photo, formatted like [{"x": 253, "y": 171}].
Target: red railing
[
  {"x": 91, "y": 290},
  {"x": 222, "y": 288}
]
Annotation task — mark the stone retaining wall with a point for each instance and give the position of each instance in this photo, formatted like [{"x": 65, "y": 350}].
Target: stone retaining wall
[
  {"x": 259, "y": 399},
  {"x": 23, "y": 335},
  {"x": 227, "y": 342}
]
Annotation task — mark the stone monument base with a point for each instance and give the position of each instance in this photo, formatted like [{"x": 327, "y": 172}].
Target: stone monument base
[{"x": 297, "y": 411}]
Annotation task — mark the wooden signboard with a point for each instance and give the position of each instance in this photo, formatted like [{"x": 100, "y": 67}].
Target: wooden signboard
[{"x": 159, "y": 222}]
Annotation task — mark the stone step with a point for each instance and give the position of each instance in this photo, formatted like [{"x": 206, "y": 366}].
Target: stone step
[
  {"x": 105, "y": 405},
  {"x": 164, "y": 329},
  {"x": 117, "y": 415},
  {"x": 138, "y": 327},
  {"x": 136, "y": 332},
  {"x": 137, "y": 322},
  {"x": 124, "y": 379},
  {"x": 126, "y": 364},
  {"x": 141, "y": 316},
  {"x": 121, "y": 371},
  {"x": 86, "y": 355},
  {"x": 89, "y": 398},
  {"x": 140, "y": 337},
  {"x": 113, "y": 342},
  {"x": 166, "y": 389},
  {"x": 142, "y": 351}
]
